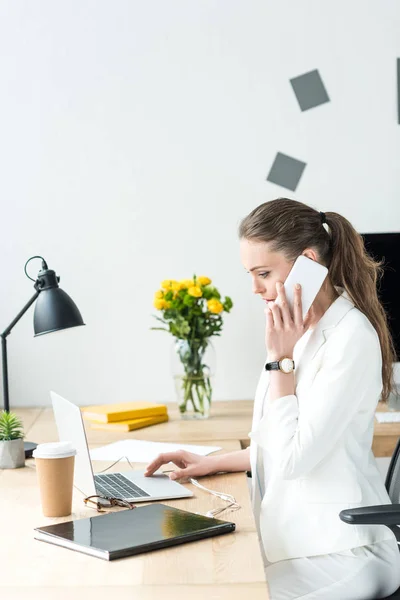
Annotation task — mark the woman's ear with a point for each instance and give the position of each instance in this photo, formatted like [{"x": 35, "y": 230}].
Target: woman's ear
[{"x": 310, "y": 253}]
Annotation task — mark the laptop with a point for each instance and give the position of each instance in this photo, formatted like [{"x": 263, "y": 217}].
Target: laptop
[
  {"x": 129, "y": 532},
  {"x": 129, "y": 485}
]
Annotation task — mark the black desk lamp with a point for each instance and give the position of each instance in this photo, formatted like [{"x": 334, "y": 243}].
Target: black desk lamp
[{"x": 54, "y": 310}]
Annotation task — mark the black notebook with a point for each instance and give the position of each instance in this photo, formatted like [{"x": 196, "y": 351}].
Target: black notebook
[{"x": 129, "y": 532}]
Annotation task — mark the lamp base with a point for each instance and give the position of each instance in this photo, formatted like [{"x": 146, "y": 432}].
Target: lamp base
[{"x": 29, "y": 448}]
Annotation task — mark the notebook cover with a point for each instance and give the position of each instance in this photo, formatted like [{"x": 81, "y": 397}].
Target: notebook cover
[
  {"x": 129, "y": 532},
  {"x": 110, "y": 413},
  {"x": 130, "y": 424}
]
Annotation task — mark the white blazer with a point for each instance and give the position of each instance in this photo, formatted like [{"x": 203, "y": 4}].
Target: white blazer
[{"x": 310, "y": 453}]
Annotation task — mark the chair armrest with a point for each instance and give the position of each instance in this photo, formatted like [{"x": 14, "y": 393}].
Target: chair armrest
[{"x": 384, "y": 514}]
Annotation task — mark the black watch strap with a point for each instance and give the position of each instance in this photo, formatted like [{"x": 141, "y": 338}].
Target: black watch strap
[{"x": 272, "y": 366}]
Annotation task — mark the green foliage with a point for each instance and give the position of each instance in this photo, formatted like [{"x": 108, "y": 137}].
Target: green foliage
[
  {"x": 227, "y": 304},
  {"x": 210, "y": 291},
  {"x": 10, "y": 426}
]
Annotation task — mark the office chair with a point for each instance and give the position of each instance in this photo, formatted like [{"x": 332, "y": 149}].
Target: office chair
[{"x": 386, "y": 514}]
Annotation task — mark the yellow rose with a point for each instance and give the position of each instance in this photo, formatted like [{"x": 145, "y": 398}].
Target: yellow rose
[
  {"x": 195, "y": 291},
  {"x": 203, "y": 280},
  {"x": 159, "y": 303},
  {"x": 214, "y": 306},
  {"x": 168, "y": 284},
  {"x": 186, "y": 283},
  {"x": 175, "y": 286},
  {"x": 159, "y": 294}
]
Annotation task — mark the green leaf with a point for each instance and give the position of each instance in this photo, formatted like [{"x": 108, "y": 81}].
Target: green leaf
[
  {"x": 214, "y": 292},
  {"x": 10, "y": 426},
  {"x": 227, "y": 304},
  {"x": 188, "y": 300},
  {"x": 159, "y": 319},
  {"x": 208, "y": 292}
]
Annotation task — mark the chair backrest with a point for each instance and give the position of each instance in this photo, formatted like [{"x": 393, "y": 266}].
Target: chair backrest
[{"x": 392, "y": 482}]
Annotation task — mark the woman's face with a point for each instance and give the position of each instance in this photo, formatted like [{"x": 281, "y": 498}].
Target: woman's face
[{"x": 266, "y": 268}]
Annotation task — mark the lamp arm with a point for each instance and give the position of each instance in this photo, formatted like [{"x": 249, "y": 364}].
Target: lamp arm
[
  {"x": 3, "y": 337},
  {"x": 7, "y": 331}
]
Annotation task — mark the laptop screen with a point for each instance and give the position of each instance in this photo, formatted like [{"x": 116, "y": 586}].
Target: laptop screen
[{"x": 70, "y": 428}]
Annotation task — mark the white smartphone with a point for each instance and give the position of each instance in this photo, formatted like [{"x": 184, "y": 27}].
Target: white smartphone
[{"x": 311, "y": 275}]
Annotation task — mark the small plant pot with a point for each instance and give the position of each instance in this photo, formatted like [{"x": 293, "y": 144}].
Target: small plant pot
[{"x": 12, "y": 454}]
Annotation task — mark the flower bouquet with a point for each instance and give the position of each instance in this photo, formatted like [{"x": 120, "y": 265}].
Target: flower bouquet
[{"x": 192, "y": 312}]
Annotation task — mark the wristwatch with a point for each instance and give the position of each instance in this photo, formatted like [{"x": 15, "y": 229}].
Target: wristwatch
[{"x": 285, "y": 365}]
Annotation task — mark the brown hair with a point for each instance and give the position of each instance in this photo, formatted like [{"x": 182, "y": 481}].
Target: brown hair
[{"x": 292, "y": 226}]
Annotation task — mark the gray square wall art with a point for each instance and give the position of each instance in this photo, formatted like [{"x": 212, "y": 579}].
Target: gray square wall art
[
  {"x": 310, "y": 90},
  {"x": 286, "y": 171}
]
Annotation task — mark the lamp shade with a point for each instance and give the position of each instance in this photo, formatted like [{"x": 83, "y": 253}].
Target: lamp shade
[{"x": 54, "y": 309}]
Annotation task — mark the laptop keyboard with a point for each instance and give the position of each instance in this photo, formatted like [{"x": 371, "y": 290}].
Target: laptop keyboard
[{"x": 117, "y": 486}]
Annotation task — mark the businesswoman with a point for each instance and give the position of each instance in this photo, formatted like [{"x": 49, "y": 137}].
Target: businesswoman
[{"x": 310, "y": 444}]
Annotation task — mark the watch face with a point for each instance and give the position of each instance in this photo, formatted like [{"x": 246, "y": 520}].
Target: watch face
[{"x": 287, "y": 365}]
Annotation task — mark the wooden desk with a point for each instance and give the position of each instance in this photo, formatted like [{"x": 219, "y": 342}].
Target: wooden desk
[
  {"x": 226, "y": 567},
  {"x": 386, "y": 435},
  {"x": 229, "y": 421}
]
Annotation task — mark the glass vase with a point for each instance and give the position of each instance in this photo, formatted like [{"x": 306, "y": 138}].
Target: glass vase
[{"x": 193, "y": 368}]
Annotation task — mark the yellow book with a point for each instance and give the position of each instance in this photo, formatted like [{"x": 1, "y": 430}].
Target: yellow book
[
  {"x": 130, "y": 424},
  {"x": 110, "y": 413}
]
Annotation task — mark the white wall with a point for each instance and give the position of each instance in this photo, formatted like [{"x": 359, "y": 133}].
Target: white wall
[{"x": 135, "y": 136}]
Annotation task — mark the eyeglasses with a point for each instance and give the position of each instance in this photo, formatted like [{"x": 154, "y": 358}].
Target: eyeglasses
[
  {"x": 108, "y": 502},
  {"x": 104, "y": 502}
]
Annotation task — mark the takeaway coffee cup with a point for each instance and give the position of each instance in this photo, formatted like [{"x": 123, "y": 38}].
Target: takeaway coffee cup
[{"x": 55, "y": 470}]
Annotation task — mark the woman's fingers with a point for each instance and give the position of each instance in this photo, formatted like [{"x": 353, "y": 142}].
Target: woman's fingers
[
  {"x": 297, "y": 306},
  {"x": 275, "y": 319},
  {"x": 283, "y": 304},
  {"x": 162, "y": 459},
  {"x": 180, "y": 473}
]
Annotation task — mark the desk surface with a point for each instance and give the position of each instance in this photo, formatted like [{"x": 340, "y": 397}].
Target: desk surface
[
  {"x": 230, "y": 421},
  {"x": 386, "y": 435},
  {"x": 224, "y": 567}
]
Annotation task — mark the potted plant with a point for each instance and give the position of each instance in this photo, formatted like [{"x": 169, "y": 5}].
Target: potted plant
[{"x": 12, "y": 453}]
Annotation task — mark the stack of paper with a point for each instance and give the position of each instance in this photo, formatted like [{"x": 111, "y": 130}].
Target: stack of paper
[
  {"x": 125, "y": 416},
  {"x": 388, "y": 417},
  {"x": 145, "y": 451}
]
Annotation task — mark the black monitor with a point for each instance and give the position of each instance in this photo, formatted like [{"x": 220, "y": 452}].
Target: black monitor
[{"x": 387, "y": 246}]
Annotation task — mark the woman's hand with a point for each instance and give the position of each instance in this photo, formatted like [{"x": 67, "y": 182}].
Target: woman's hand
[
  {"x": 282, "y": 331},
  {"x": 190, "y": 464}
]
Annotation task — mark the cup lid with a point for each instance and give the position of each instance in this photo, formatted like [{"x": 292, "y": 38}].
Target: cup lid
[{"x": 54, "y": 450}]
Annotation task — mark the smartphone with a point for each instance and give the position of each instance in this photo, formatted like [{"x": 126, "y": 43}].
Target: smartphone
[{"x": 311, "y": 275}]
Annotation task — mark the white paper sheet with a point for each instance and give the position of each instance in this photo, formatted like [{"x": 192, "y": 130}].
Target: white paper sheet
[
  {"x": 144, "y": 451},
  {"x": 388, "y": 417}
]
